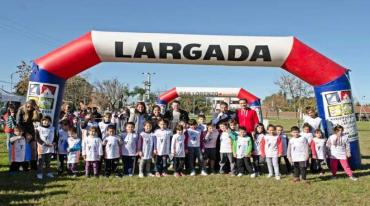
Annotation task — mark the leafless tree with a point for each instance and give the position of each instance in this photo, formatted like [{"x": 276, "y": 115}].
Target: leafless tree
[
  {"x": 295, "y": 89},
  {"x": 113, "y": 91}
]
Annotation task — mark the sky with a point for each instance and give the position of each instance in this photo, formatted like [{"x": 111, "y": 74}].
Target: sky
[{"x": 338, "y": 29}]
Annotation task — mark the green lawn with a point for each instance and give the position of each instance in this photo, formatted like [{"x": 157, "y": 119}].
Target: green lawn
[{"x": 24, "y": 189}]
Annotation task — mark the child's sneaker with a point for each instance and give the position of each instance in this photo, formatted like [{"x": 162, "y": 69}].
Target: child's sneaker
[
  {"x": 176, "y": 174},
  {"x": 150, "y": 174},
  {"x": 269, "y": 175},
  {"x": 253, "y": 175},
  {"x": 50, "y": 175},
  {"x": 204, "y": 173},
  {"x": 130, "y": 175},
  {"x": 39, "y": 176},
  {"x": 353, "y": 178},
  {"x": 141, "y": 175},
  {"x": 277, "y": 177},
  {"x": 321, "y": 174},
  {"x": 182, "y": 174},
  {"x": 240, "y": 175},
  {"x": 192, "y": 173},
  {"x": 157, "y": 174}
]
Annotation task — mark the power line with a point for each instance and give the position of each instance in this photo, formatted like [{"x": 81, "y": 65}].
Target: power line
[{"x": 26, "y": 31}]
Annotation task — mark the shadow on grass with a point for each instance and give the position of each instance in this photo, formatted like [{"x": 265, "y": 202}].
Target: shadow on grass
[
  {"x": 24, "y": 189},
  {"x": 25, "y": 199}
]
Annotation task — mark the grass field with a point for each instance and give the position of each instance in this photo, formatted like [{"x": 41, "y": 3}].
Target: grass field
[{"x": 24, "y": 189}]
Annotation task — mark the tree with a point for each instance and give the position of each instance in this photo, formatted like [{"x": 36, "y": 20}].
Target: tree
[
  {"x": 138, "y": 91},
  {"x": 194, "y": 104},
  {"x": 111, "y": 91},
  {"x": 77, "y": 89},
  {"x": 276, "y": 102},
  {"x": 23, "y": 70},
  {"x": 295, "y": 89}
]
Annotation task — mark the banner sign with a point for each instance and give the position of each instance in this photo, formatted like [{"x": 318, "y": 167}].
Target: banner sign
[
  {"x": 339, "y": 110},
  {"x": 45, "y": 96}
]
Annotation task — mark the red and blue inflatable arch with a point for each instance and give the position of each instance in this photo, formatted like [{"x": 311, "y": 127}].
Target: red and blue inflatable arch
[
  {"x": 329, "y": 79},
  {"x": 253, "y": 101}
]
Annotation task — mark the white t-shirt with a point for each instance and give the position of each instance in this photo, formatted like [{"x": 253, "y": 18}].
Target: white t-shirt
[
  {"x": 194, "y": 138},
  {"x": 339, "y": 147},
  {"x": 320, "y": 147},
  {"x": 103, "y": 128},
  {"x": 225, "y": 143},
  {"x": 314, "y": 122},
  {"x": 308, "y": 136},
  {"x": 298, "y": 149},
  {"x": 73, "y": 156},
  {"x": 242, "y": 144},
  {"x": 47, "y": 136},
  {"x": 130, "y": 142},
  {"x": 163, "y": 141},
  {"x": 62, "y": 142},
  {"x": 112, "y": 147},
  {"x": 148, "y": 144},
  {"x": 92, "y": 148},
  {"x": 18, "y": 150},
  {"x": 178, "y": 145},
  {"x": 210, "y": 140},
  {"x": 257, "y": 144},
  {"x": 271, "y": 145}
]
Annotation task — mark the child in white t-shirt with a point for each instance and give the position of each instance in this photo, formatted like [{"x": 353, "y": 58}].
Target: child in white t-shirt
[
  {"x": 146, "y": 149},
  {"x": 338, "y": 145},
  {"x": 92, "y": 152},
  {"x": 74, "y": 148},
  {"x": 163, "y": 136},
  {"x": 318, "y": 148},
  {"x": 129, "y": 149},
  {"x": 271, "y": 149},
  {"x": 179, "y": 149},
  {"x": 17, "y": 147},
  {"x": 298, "y": 154},
  {"x": 112, "y": 154},
  {"x": 226, "y": 149},
  {"x": 46, "y": 142}
]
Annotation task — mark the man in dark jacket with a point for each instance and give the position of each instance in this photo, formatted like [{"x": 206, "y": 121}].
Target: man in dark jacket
[
  {"x": 224, "y": 115},
  {"x": 176, "y": 114}
]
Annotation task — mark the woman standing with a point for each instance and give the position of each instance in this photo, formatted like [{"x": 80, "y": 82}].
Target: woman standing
[
  {"x": 155, "y": 116},
  {"x": 28, "y": 117},
  {"x": 139, "y": 117}
]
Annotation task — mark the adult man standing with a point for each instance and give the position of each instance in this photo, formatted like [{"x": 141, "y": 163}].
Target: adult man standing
[
  {"x": 176, "y": 114},
  {"x": 246, "y": 117},
  {"x": 312, "y": 119},
  {"x": 224, "y": 115}
]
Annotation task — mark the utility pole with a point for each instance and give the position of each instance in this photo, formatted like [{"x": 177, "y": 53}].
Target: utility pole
[{"x": 147, "y": 85}]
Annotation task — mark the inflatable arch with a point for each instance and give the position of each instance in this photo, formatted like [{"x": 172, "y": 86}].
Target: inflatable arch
[
  {"x": 329, "y": 79},
  {"x": 253, "y": 101}
]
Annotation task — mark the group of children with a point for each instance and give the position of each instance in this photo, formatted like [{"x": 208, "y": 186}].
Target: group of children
[{"x": 190, "y": 144}]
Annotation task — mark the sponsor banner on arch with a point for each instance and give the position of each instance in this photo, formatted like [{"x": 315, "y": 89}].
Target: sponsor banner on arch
[
  {"x": 339, "y": 110},
  {"x": 45, "y": 96}
]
